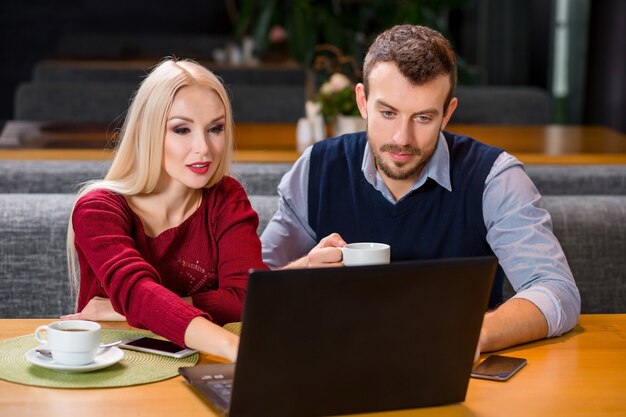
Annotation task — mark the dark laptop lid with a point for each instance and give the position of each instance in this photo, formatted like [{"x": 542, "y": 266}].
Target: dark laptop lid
[{"x": 359, "y": 339}]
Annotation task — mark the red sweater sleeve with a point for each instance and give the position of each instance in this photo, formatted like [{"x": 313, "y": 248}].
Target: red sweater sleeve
[
  {"x": 108, "y": 256},
  {"x": 234, "y": 224}
]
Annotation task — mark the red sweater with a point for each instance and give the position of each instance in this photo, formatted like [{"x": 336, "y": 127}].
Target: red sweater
[{"x": 207, "y": 257}]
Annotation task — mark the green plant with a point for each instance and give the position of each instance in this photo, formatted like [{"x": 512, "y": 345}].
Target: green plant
[{"x": 347, "y": 24}]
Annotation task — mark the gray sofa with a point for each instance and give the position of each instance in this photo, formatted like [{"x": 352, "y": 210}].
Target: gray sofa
[
  {"x": 66, "y": 101},
  {"x": 263, "y": 178},
  {"x": 33, "y": 224},
  {"x": 502, "y": 105},
  {"x": 66, "y": 176}
]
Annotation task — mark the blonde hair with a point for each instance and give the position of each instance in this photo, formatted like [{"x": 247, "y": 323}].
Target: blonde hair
[{"x": 137, "y": 164}]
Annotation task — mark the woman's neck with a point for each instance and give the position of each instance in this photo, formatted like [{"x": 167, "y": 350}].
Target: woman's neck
[{"x": 160, "y": 211}]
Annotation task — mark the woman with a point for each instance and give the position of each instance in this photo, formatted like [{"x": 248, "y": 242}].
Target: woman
[{"x": 166, "y": 239}]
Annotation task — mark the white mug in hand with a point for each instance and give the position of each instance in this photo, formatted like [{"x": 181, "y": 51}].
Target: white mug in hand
[
  {"x": 366, "y": 253},
  {"x": 72, "y": 342}
]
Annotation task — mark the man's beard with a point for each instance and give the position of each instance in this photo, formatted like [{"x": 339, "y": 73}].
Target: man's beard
[{"x": 394, "y": 170}]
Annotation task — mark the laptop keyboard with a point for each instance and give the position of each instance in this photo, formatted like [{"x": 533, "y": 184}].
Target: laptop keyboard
[{"x": 222, "y": 388}]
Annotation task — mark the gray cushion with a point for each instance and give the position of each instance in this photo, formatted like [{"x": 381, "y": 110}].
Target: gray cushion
[
  {"x": 592, "y": 232},
  {"x": 260, "y": 179},
  {"x": 267, "y": 103},
  {"x": 265, "y": 206},
  {"x": 48, "y": 176},
  {"x": 67, "y": 176},
  {"x": 108, "y": 102},
  {"x": 502, "y": 105},
  {"x": 263, "y": 178},
  {"x": 75, "y": 102},
  {"x": 578, "y": 179},
  {"x": 33, "y": 269}
]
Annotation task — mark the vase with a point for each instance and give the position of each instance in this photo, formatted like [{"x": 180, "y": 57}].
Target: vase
[
  {"x": 304, "y": 134},
  {"x": 348, "y": 124}
]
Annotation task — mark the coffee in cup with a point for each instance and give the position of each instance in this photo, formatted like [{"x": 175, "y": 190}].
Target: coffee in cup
[
  {"x": 366, "y": 253},
  {"x": 72, "y": 342}
]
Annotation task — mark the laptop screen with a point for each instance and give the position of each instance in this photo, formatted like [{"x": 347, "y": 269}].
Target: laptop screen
[{"x": 359, "y": 339}]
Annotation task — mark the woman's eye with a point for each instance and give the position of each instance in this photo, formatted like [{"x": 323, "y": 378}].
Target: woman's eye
[
  {"x": 216, "y": 129},
  {"x": 181, "y": 130}
]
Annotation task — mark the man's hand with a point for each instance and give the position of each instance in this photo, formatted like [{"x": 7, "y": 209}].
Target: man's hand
[
  {"x": 97, "y": 309},
  {"x": 326, "y": 254}
]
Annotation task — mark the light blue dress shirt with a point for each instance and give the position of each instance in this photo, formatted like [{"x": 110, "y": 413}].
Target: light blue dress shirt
[{"x": 518, "y": 230}]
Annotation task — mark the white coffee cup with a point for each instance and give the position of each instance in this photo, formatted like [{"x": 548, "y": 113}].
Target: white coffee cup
[
  {"x": 72, "y": 342},
  {"x": 366, "y": 253}
]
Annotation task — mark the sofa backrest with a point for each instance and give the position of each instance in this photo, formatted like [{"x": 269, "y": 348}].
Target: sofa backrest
[
  {"x": 592, "y": 233},
  {"x": 263, "y": 178},
  {"x": 502, "y": 105},
  {"x": 578, "y": 179},
  {"x": 107, "y": 102},
  {"x": 67, "y": 176},
  {"x": 33, "y": 271}
]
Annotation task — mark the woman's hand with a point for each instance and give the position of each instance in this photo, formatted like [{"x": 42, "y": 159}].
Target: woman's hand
[
  {"x": 97, "y": 309},
  {"x": 210, "y": 338}
]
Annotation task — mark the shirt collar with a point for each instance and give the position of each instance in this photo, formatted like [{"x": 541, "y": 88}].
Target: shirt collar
[{"x": 438, "y": 169}]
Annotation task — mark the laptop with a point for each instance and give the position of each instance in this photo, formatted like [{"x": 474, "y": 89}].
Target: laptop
[{"x": 318, "y": 342}]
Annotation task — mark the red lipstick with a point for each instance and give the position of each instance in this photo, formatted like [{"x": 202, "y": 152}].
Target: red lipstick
[{"x": 199, "y": 168}]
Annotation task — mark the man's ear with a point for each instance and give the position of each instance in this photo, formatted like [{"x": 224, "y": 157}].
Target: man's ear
[
  {"x": 451, "y": 107},
  {"x": 361, "y": 100}
]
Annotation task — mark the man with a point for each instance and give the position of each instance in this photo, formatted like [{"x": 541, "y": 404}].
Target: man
[{"x": 427, "y": 193}]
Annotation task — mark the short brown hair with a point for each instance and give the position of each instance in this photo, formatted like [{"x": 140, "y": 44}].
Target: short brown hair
[{"x": 420, "y": 53}]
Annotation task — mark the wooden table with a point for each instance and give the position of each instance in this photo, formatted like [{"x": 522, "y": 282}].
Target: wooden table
[
  {"x": 549, "y": 144},
  {"x": 582, "y": 373}
]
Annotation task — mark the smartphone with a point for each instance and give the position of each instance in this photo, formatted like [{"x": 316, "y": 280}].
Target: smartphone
[
  {"x": 498, "y": 368},
  {"x": 157, "y": 346}
]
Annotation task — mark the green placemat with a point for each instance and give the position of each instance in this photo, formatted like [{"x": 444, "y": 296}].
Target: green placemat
[
  {"x": 234, "y": 327},
  {"x": 134, "y": 369}
]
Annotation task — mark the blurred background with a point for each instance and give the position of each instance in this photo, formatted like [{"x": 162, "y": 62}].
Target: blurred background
[{"x": 572, "y": 49}]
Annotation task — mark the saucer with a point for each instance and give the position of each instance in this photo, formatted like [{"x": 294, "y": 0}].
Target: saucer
[{"x": 107, "y": 358}]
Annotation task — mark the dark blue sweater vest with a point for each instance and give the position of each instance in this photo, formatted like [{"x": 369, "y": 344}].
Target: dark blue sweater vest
[{"x": 431, "y": 222}]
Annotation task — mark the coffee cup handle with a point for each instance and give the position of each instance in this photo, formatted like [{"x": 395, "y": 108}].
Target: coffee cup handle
[{"x": 38, "y": 332}]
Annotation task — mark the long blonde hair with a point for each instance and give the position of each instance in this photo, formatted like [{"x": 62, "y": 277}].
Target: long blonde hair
[{"x": 137, "y": 164}]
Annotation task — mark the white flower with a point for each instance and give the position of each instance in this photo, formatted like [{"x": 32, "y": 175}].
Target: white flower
[
  {"x": 339, "y": 81},
  {"x": 326, "y": 89}
]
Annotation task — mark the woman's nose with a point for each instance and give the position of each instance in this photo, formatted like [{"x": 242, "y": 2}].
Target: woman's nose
[{"x": 200, "y": 143}]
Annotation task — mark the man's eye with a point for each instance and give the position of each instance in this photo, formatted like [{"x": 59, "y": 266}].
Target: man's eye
[
  {"x": 181, "y": 130},
  {"x": 423, "y": 119},
  {"x": 216, "y": 129},
  {"x": 387, "y": 113}
]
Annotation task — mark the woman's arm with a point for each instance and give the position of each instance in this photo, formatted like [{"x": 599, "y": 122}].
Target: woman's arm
[
  {"x": 101, "y": 309},
  {"x": 111, "y": 264}
]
